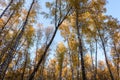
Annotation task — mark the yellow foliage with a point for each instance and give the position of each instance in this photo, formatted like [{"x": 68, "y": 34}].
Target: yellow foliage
[
  {"x": 88, "y": 60},
  {"x": 61, "y": 48},
  {"x": 1, "y": 23},
  {"x": 30, "y": 30},
  {"x": 64, "y": 28},
  {"x": 72, "y": 43}
]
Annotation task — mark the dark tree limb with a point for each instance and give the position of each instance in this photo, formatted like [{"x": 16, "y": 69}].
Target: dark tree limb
[{"x": 48, "y": 45}]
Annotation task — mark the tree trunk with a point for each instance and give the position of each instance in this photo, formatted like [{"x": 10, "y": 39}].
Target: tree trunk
[
  {"x": 95, "y": 74},
  {"x": 60, "y": 74},
  {"x": 118, "y": 58},
  {"x": 47, "y": 47},
  {"x": 104, "y": 49},
  {"x": 71, "y": 63},
  {"x": 80, "y": 51},
  {"x": 78, "y": 67},
  {"x": 92, "y": 71},
  {"x": 22, "y": 76}
]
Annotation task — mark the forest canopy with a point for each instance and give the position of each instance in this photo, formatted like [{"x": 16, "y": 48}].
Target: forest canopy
[{"x": 88, "y": 46}]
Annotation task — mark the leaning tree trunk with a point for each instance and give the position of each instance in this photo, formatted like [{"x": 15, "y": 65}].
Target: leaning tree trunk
[
  {"x": 25, "y": 64},
  {"x": 48, "y": 45},
  {"x": 104, "y": 49}
]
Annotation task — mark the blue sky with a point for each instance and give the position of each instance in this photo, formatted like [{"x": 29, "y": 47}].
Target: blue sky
[{"x": 113, "y": 8}]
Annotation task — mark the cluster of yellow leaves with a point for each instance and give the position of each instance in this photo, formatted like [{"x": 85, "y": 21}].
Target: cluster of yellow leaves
[
  {"x": 72, "y": 20},
  {"x": 75, "y": 3},
  {"x": 29, "y": 33},
  {"x": 98, "y": 5},
  {"x": 52, "y": 63},
  {"x": 61, "y": 48},
  {"x": 17, "y": 5},
  {"x": 64, "y": 28},
  {"x": 72, "y": 42},
  {"x": 32, "y": 16},
  {"x": 1, "y": 23},
  {"x": 39, "y": 53},
  {"x": 30, "y": 30},
  {"x": 48, "y": 4},
  {"x": 64, "y": 71},
  {"x": 88, "y": 60},
  {"x": 116, "y": 37},
  {"x": 75, "y": 59}
]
